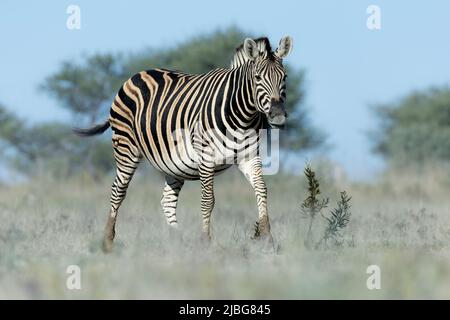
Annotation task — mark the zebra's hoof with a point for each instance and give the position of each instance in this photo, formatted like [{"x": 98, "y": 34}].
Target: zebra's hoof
[
  {"x": 173, "y": 225},
  {"x": 174, "y": 233},
  {"x": 266, "y": 241},
  {"x": 107, "y": 245},
  {"x": 206, "y": 238},
  {"x": 269, "y": 245}
]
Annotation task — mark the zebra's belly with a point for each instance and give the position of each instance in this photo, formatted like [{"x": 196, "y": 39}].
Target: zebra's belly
[
  {"x": 175, "y": 156},
  {"x": 186, "y": 172}
]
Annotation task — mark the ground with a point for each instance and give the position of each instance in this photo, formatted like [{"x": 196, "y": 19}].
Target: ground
[{"x": 47, "y": 225}]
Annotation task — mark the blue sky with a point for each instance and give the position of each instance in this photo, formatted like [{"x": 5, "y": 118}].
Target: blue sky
[{"x": 348, "y": 66}]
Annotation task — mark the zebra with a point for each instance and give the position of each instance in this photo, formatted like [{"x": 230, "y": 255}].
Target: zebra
[{"x": 177, "y": 121}]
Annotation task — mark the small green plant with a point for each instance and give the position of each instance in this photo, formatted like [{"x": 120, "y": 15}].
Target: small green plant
[
  {"x": 312, "y": 205},
  {"x": 337, "y": 220}
]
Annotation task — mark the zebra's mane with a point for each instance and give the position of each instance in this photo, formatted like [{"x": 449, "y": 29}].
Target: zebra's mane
[{"x": 240, "y": 57}]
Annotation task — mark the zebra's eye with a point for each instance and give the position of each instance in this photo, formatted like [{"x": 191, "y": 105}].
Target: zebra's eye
[{"x": 257, "y": 77}]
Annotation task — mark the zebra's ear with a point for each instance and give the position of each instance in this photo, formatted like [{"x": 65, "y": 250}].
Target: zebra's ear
[
  {"x": 251, "y": 49},
  {"x": 284, "y": 48}
]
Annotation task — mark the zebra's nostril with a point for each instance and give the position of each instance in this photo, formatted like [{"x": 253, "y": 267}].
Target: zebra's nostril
[{"x": 277, "y": 110}]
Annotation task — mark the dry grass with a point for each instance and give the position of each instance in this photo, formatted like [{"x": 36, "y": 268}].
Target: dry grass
[{"x": 46, "y": 226}]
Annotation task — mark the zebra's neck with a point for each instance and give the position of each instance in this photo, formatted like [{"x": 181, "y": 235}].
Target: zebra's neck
[{"x": 242, "y": 107}]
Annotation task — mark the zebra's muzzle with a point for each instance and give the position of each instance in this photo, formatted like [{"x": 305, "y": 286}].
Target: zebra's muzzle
[{"x": 277, "y": 115}]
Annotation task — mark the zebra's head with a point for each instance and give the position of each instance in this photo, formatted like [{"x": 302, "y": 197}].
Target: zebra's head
[{"x": 269, "y": 77}]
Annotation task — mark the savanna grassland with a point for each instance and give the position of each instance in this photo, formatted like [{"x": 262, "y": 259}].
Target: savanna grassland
[{"x": 401, "y": 224}]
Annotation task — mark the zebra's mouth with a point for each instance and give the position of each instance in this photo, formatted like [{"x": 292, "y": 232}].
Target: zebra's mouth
[
  {"x": 277, "y": 115},
  {"x": 277, "y": 126}
]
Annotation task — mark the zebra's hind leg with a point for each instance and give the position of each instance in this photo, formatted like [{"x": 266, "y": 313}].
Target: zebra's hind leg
[
  {"x": 127, "y": 160},
  {"x": 252, "y": 170},
  {"x": 169, "y": 199}
]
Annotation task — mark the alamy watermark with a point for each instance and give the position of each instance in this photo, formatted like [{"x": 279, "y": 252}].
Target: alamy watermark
[
  {"x": 73, "y": 21},
  {"x": 73, "y": 281},
  {"x": 228, "y": 148},
  {"x": 374, "y": 280},
  {"x": 374, "y": 19}
]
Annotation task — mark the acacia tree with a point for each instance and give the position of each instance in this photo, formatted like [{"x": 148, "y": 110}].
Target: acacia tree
[
  {"x": 414, "y": 130},
  {"x": 86, "y": 89}
]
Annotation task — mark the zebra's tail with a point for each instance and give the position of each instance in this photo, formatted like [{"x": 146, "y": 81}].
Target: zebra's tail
[{"x": 92, "y": 131}]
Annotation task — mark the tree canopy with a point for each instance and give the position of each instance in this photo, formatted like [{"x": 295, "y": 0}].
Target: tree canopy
[
  {"x": 86, "y": 88},
  {"x": 416, "y": 129}
]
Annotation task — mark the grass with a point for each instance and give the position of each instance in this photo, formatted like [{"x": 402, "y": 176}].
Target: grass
[{"x": 47, "y": 226}]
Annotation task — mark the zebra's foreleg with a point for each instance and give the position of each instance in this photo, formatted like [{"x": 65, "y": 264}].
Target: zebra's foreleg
[
  {"x": 252, "y": 170},
  {"x": 170, "y": 198},
  {"x": 206, "y": 171}
]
